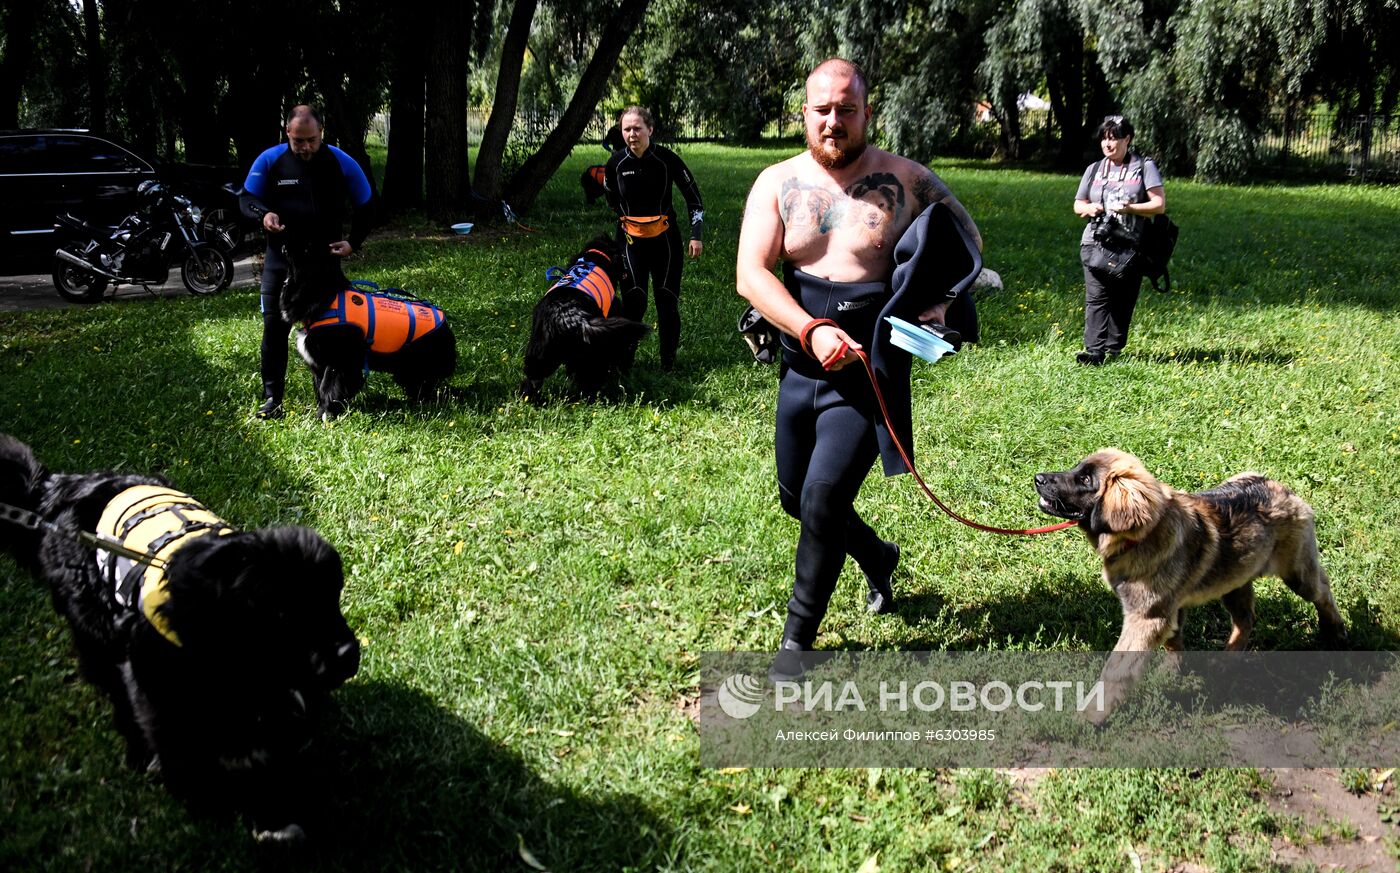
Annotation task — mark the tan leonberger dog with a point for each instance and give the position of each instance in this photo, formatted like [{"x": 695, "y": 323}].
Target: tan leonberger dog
[{"x": 1164, "y": 550}]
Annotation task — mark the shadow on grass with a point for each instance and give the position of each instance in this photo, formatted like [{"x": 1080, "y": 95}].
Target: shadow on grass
[
  {"x": 1270, "y": 357},
  {"x": 1078, "y": 610},
  {"x": 414, "y": 787}
]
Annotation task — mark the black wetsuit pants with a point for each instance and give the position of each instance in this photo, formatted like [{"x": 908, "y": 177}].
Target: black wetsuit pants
[
  {"x": 657, "y": 261},
  {"x": 825, "y": 445},
  {"x": 273, "y": 358}
]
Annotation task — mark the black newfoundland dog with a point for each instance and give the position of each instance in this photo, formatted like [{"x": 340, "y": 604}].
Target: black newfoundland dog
[
  {"x": 218, "y": 648},
  {"x": 349, "y": 329},
  {"x": 586, "y": 322}
]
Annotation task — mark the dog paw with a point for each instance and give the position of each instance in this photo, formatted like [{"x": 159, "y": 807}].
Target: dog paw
[
  {"x": 1333, "y": 638},
  {"x": 1095, "y": 718},
  {"x": 291, "y": 835}
]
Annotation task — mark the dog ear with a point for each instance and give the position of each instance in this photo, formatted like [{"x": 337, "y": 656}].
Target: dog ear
[
  {"x": 1094, "y": 521},
  {"x": 216, "y": 578},
  {"x": 1129, "y": 499}
]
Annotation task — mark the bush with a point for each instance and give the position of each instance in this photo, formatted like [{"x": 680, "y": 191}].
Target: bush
[{"x": 1227, "y": 149}]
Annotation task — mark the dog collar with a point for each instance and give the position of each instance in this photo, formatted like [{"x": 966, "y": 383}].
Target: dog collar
[{"x": 155, "y": 521}]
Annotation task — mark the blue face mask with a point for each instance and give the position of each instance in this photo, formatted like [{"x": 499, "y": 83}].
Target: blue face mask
[{"x": 918, "y": 340}]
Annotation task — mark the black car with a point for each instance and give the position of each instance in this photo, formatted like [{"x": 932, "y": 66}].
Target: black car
[{"x": 44, "y": 173}]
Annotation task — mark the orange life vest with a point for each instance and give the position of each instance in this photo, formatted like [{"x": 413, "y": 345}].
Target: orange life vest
[
  {"x": 389, "y": 323},
  {"x": 588, "y": 277}
]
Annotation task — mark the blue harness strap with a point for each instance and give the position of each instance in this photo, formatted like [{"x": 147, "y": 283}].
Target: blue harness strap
[{"x": 585, "y": 276}]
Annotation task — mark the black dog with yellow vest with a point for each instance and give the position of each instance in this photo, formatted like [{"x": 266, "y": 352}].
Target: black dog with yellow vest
[{"x": 218, "y": 648}]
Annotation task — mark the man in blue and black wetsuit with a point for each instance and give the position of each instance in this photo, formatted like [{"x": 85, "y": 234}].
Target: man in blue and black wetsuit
[
  {"x": 834, "y": 216},
  {"x": 303, "y": 186}
]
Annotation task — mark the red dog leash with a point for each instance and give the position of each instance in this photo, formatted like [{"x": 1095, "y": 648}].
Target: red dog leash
[{"x": 909, "y": 462}]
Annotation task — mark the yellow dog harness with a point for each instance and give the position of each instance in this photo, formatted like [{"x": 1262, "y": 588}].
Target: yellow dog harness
[{"x": 157, "y": 521}]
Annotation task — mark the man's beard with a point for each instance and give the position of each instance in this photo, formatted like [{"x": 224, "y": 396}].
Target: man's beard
[{"x": 832, "y": 155}]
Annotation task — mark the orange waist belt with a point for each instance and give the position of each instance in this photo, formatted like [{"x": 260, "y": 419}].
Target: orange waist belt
[
  {"x": 388, "y": 323},
  {"x": 644, "y": 226}
]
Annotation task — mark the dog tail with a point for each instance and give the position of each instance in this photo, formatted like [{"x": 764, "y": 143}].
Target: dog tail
[
  {"x": 604, "y": 330},
  {"x": 21, "y": 483}
]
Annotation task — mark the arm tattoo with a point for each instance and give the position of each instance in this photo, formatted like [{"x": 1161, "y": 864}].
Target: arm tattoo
[{"x": 929, "y": 189}]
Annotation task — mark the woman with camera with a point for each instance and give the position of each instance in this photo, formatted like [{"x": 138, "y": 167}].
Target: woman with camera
[{"x": 1114, "y": 195}]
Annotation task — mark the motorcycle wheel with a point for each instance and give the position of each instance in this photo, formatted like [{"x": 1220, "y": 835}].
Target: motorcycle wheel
[
  {"x": 207, "y": 270},
  {"x": 220, "y": 226},
  {"x": 75, "y": 284}
]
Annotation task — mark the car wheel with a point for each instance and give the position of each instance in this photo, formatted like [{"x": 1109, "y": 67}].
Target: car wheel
[{"x": 220, "y": 226}]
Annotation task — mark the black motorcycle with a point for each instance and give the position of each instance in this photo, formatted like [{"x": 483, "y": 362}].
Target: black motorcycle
[{"x": 163, "y": 230}]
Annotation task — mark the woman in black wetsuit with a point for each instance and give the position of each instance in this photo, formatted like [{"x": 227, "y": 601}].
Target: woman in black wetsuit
[{"x": 638, "y": 179}]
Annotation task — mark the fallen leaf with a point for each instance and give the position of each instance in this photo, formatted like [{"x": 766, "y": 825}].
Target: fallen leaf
[
  {"x": 741, "y": 808},
  {"x": 871, "y": 865},
  {"x": 529, "y": 857}
]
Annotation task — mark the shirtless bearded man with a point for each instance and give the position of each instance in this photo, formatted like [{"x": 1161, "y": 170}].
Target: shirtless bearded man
[{"x": 832, "y": 216}]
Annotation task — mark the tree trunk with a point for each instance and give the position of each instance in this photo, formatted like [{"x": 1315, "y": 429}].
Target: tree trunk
[
  {"x": 1064, "y": 78},
  {"x": 96, "y": 68},
  {"x": 446, "y": 111},
  {"x": 19, "y": 19},
  {"x": 503, "y": 104},
  {"x": 403, "y": 169},
  {"x": 1008, "y": 117},
  {"x": 527, "y": 183}
]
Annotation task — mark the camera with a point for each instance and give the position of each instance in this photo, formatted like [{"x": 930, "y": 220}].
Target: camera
[{"x": 1114, "y": 232}]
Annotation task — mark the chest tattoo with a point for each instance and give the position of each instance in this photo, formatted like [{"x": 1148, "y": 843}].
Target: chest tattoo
[
  {"x": 872, "y": 202},
  {"x": 809, "y": 205}
]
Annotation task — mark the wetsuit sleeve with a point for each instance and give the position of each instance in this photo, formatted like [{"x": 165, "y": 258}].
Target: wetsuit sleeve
[
  {"x": 610, "y": 184},
  {"x": 256, "y": 186},
  {"x": 361, "y": 197},
  {"x": 690, "y": 190}
]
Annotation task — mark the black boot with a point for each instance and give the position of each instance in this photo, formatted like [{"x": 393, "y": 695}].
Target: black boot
[
  {"x": 272, "y": 402},
  {"x": 880, "y": 598},
  {"x": 788, "y": 664}
]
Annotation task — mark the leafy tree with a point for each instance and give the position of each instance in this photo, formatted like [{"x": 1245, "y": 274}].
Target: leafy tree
[
  {"x": 506, "y": 98},
  {"x": 528, "y": 181},
  {"x": 729, "y": 70}
]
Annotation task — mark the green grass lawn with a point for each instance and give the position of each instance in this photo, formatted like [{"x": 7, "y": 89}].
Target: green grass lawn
[{"x": 533, "y": 586}]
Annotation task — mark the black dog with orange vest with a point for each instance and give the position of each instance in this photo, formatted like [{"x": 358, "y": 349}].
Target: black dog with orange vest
[
  {"x": 584, "y": 323},
  {"x": 349, "y": 329}
]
